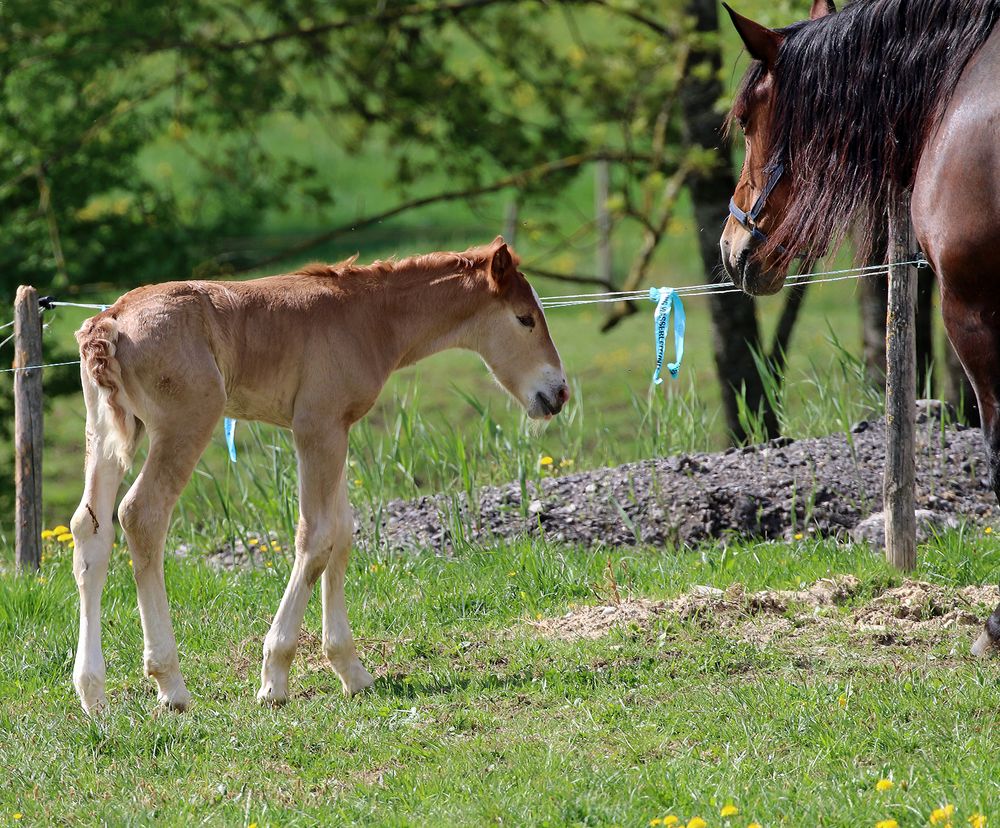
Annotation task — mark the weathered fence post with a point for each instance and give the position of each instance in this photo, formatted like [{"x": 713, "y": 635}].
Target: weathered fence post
[
  {"x": 28, "y": 429},
  {"x": 900, "y": 395}
]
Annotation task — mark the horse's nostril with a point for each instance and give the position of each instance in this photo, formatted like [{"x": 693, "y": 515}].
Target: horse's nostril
[{"x": 562, "y": 395}]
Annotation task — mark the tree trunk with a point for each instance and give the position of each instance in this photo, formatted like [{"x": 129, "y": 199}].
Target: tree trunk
[{"x": 734, "y": 316}]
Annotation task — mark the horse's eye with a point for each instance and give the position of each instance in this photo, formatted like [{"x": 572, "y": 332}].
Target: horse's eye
[{"x": 528, "y": 321}]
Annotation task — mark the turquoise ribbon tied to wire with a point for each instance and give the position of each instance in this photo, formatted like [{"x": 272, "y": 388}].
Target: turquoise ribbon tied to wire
[
  {"x": 667, "y": 300},
  {"x": 229, "y": 426}
]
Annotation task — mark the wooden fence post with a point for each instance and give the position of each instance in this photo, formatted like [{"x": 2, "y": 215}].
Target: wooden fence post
[
  {"x": 28, "y": 429},
  {"x": 900, "y": 395}
]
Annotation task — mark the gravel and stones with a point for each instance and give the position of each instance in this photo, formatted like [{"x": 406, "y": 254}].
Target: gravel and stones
[{"x": 825, "y": 487}]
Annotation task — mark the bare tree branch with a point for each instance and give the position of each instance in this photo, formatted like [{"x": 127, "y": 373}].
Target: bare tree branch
[
  {"x": 569, "y": 277},
  {"x": 519, "y": 180},
  {"x": 651, "y": 240}
]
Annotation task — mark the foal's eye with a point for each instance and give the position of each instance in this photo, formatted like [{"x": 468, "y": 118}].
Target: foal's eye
[{"x": 528, "y": 321}]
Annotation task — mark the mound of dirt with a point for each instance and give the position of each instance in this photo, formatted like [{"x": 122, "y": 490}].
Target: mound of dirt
[
  {"x": 823, "y": 486},
  {"x": 910, "y": 606}
]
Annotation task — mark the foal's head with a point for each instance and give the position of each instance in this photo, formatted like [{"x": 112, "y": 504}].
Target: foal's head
[
  {"x": 762, "y": 192},
  {"x": 514, "y": 340}
]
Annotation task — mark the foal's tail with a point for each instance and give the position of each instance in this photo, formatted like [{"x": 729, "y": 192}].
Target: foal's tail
[{"x": 113, "y": 415}]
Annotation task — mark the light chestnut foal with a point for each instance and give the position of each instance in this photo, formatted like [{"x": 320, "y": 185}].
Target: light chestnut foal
[{"x": 308, "y": 351}]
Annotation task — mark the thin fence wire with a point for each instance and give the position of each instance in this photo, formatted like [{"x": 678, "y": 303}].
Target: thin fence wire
[
  {"x": 575, "y": 299},
  {"x": 719, "y": 288}
]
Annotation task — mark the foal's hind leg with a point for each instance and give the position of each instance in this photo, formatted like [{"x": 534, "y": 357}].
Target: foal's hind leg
[
  {"x": 338, "y": 642},
  {"x": 174, "y": 449},
  {"x": 975, "y": 333},
  {"x": 93, "y": 535},
  {"x": 321, "y": 454}
]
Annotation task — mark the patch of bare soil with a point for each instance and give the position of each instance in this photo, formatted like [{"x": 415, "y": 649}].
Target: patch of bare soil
[{"x": 760, "y": 617}]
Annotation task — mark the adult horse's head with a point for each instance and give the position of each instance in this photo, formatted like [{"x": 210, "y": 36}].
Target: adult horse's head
[
  {"x": 513, "y": 338},
  {"x": 762, "y": 192}
]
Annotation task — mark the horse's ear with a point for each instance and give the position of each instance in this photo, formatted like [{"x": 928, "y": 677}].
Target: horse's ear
[
  {"x": 501, "y": 266},
  {"x": 762, "y": 43},
  {"x": 821, "y": 8}
]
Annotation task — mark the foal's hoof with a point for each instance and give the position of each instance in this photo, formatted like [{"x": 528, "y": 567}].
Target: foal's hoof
[
  {"x": 272, "y": 696},
  {"x": 90, "y": 690},
  {"x": 95, "y": 705},
  {"x": 179, "y": 699},
  {"x": 356, "y": 679}
]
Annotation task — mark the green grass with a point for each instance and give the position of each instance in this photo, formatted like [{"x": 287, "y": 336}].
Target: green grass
[{"x": 476, "y": 719}]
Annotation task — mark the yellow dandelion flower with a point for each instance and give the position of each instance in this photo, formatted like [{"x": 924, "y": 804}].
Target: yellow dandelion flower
[
  {"x": 511, "y": 574},
  {"x": 252, "y": 825},
  {"x": 655, "y": 821},
  {"x": 48, "y": 533},
  {"x": 60, "y": 529},
  {"x": 130, "y": 562},
  {"x": 65, "y": 537},
  {"x": 728, "y": 810},
  {"x": 842, "y": 701},
  {"x": 755, "y": 825},
  {"x": 545, "y": 461},
  {"x": 538, "y": 616},
  {"x": 41, "y": 579},
  {"x": 566, "y": 461},
  {"x": 887, "y": 823},
  {"x": 253, "y": 542},
  {"x": 18, "y": 815},
  {"x": 884, "y": 785},
  {"x": 798, "y": 536},
  {"x": 988, "y": 530},
  {"x": 697, "y": 822},
  {"x": 669, "y": 820},
  {"x": 977, "y": 820},
  {"x": 268, "y": 563},
  {"x": 357, "y": 481},
  {"x": 943, "y": 814}
]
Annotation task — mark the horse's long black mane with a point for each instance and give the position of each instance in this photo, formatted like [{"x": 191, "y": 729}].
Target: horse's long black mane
[{"x": 857, "y": 94}]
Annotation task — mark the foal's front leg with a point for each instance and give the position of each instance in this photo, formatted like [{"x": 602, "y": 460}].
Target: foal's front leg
[
  {"x": 321, "y": 455},
  {"x": 338, "y": 642}
]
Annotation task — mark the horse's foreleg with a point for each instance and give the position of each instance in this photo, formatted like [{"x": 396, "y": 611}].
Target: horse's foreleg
[
  {"x": 338, "y": 642},
  {"x": 321, "y": 456},
  {"x": 975, "y": 333},
  {"x": 93, "y": 535}
]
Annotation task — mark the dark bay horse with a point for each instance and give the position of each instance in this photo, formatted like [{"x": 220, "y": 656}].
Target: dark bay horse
[{"x": 843, "y": 112}]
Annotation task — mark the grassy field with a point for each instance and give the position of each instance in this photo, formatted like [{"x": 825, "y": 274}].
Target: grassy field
[{"x": 477, "y": 719}]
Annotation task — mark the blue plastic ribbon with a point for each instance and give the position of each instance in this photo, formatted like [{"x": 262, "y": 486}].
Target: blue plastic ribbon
[
  {"x": 667, "y": 300},
  {"x": 229, "y": 426}
]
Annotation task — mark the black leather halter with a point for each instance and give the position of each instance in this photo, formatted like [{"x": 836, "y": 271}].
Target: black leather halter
[{"x": 748, "y": 220}]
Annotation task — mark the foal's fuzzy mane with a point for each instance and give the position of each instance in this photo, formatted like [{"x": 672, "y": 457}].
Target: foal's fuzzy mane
[
  {"x": 472, "y": 261},
  {"x": 857, "y": 94}
]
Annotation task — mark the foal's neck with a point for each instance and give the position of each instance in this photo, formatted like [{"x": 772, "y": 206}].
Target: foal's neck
[{"x": 427, "y": 313}]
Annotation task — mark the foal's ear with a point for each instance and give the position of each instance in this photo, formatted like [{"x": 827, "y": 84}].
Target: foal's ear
[
  {"x": 821, "y": 8},
  {"x": 762, "y": 43},
  {"x": 501, "y": 266}
]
